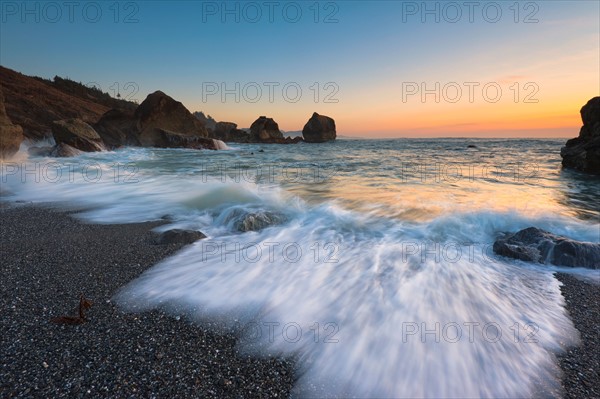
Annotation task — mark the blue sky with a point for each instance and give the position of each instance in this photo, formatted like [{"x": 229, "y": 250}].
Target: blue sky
[{"x": 362, "y": 57}]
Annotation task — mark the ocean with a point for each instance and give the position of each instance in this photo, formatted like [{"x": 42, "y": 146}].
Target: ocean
[{"x": 368, "y": 261}]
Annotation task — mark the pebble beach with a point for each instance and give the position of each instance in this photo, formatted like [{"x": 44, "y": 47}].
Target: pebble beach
[{"x": 48, "y": 260}]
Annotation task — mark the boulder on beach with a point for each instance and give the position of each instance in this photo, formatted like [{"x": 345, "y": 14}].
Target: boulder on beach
[
  {"x": 159, "y": 111},
  {"x": 118, "y": 128},
  {"x": 536, "y": 245},
  {"x": 266, "y": 130},
  {"x": 11, "y": 135},
  {"x": 256, "y": 221},
  {"x": 583, "y": 153},
  {"x": 319, "y": 129},
  {"x": 168, "y": 139},
  {"x": 77, "y": 134},
  {"x": 244, "y": 220},
  {"x": 179, "y": 236}
]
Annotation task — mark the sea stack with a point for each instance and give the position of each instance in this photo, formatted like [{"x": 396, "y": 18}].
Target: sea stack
[
  {"x": 319, "y": 129},
  {"x": 583, "y": 153},
  {"x": 266, "y": 130}
]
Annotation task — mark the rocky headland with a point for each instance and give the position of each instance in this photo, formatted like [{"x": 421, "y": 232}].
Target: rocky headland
[
  {"x": 83, "y": 119},
  {"x": 583, "y": 152}
]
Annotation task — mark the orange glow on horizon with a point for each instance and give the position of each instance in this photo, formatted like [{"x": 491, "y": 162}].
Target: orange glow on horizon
[{"x": 558, "y": 120}]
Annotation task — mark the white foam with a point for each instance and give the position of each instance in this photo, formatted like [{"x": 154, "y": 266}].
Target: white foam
[
  {"x": 384, "y": 280},
  {"x": 373, "y": 296},
  {"x": 220, "y": 145}
]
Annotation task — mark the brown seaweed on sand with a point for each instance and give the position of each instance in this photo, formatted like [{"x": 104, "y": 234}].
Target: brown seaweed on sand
[{"x": 84, "y": 304}]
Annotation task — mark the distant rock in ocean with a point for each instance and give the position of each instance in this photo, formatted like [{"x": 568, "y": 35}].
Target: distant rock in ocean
[
  {"x": 77, "y": 134},
  {"x": 11, "y": 135},
  {"x": 263, "y": 130},
  {"x": 208, "y": 121},
  {"x": 266, "y": 130},
  {"x": 583, "y": 153},
  {"x": 536, "y": 245},
  {"x": 228, "y": 131},
  {"x": 319, "y": 129}
]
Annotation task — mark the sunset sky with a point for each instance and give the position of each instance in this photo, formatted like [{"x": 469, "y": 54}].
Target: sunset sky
[{"x": 368, "y": 62}]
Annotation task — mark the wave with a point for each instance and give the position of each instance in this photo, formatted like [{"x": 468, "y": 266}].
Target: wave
[
  {"x": 369, "y": 305},
  {"x": 373, "y": 308}
]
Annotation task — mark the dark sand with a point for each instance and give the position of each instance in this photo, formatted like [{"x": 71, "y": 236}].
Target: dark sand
[
  {"x": 581, "y": 365},
  {"x": 48, "y": 259}
]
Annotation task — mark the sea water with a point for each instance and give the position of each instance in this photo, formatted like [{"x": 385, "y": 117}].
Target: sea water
[{"x": 373, "y": 266}]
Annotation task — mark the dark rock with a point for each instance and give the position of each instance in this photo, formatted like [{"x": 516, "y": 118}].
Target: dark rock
[
  {"x": 77, "y": 134},
  {"x": 583, "y": 153},
  {"x": 179, "y": 236},
  {"x": 63, "y": 150},
  {"x": 319, "y": 129},
  {"x": 239, "y": 136},
  {"x": 266, "y": 130},
  {"x": 222, "y": 129},
  {"x": 293, "y": 140},
  {"x": 118, "y": 128},
  {"x": 243, "y": 220},
  {"x": 40, "y": 151},
  {"x": 167, "y": 139},
  {"x": 536, "y": 245},
  {"x": 208, "y": 121},
  {"x": 228, "y": 132},
  {"x": 11, "y": 135},
  {"x": 258, "y": 221},
  {"x": 471, "y": 146},
  {"x": 159, "y": 111}
]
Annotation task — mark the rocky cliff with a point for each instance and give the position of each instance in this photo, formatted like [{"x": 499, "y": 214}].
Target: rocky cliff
[
  {"x": 583, "y": 152},
  {"x": 35, "y": 103},
  {"x": 11, "y": 135}
]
